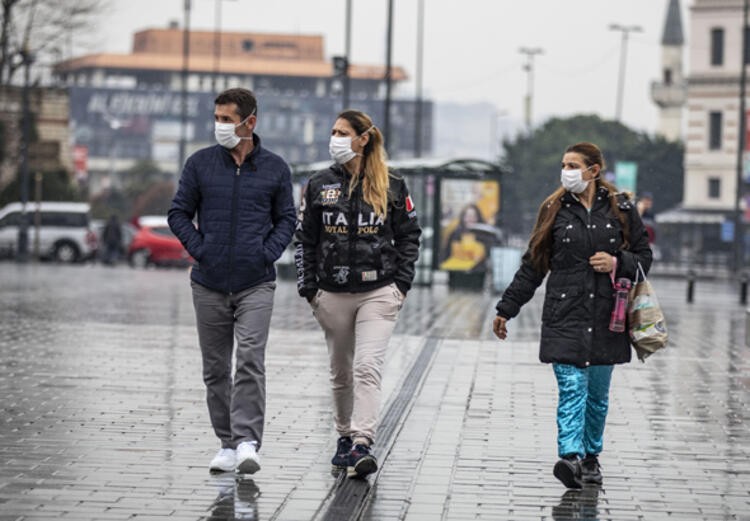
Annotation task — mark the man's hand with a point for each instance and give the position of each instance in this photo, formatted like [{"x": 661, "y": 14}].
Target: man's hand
[{"x": 499, "y": 327}]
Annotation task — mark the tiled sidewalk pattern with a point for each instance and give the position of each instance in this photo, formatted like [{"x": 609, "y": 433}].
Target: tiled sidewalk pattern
[{"x": 103, "y": 413}]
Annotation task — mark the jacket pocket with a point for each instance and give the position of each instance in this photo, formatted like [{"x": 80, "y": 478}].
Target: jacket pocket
[{"x": 559, "y": 302}]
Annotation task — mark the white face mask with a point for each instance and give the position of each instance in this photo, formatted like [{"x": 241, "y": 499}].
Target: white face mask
[
  {"x": 340, "y": 148},
  {"x": 225, "y": 134},
  {"x": 572, "y": 180}
]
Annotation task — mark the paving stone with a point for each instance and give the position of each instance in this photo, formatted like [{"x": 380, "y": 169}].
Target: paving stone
[{"x": 103, "y": 410}]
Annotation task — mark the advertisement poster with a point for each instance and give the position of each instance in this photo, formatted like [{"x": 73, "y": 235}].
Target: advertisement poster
[{"x": 468, "y": 223}]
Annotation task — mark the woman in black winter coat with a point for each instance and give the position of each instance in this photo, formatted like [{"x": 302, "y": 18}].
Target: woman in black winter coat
[{"x": 585, "y": 234}]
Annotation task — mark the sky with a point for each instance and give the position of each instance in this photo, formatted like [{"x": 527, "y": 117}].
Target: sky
[{"x": 471, "y": 47}]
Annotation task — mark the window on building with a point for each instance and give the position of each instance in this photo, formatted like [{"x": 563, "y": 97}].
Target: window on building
[
  {"x": 714, "y": 188},
  {"x": 717, "y": 46},
  {"x": 747, "y": 45},
  {"x": 714, "y": 131},
  {"x": 667, "y": 76},
  {"x": 247, "y": 45}
]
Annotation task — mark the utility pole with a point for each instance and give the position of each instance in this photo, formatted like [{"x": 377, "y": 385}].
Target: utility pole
[
  {"x": 388, "y": 53},
  {"x": 739, "y": 235},
  {"x": 22, "y": 255},
  {"x": 183, "y": 90},
  {"x": 217, "y": 45},
  {"x": 626, "y": 30},
  {"x": 529, "y": 68},
  {"x": 418, "y": 101},
  {"x": 345, "y": 91}
]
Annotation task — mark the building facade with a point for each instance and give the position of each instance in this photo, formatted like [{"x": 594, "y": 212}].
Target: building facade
[
  {"x": 50, "y": 149},
  {"x": 128, "y": 107},
  {"x": 701, "y": 230},
  {"x": 712, "y": 138}
]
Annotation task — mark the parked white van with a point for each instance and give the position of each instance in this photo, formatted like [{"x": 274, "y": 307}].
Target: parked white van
[{"x": 64, "y": 232}]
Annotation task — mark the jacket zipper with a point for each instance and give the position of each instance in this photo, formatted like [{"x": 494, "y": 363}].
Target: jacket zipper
[
  {"x": 591, "y": 247},
  {"x": 233, "y": 227}
]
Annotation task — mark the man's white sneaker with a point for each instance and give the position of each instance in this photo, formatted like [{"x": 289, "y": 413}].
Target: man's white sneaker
[
  {"x": 224, "y": 461},
  {"x": 248, "y": 461}
]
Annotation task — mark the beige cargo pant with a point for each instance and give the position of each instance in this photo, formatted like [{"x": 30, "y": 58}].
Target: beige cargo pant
[{"x": 357, "y": 327}]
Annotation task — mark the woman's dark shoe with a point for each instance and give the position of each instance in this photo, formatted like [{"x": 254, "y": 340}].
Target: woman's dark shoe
[
  {"x": 568, "y": 471},
  {"x": 361, "y": 462},
  {"x": 591, "y": 471},
  {"x": 340, "y": 460}
]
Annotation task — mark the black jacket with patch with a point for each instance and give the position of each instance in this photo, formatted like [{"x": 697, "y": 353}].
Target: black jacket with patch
[
  {"x": 578, "y": 301},
  {"x": 343, "y": 246}
]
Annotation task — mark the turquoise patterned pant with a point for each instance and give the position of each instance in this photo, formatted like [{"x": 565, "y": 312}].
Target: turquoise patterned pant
[{"x": 583, "y": 400}]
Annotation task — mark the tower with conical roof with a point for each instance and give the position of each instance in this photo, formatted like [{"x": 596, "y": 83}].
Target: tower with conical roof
[{"x": 670, "y": 93}]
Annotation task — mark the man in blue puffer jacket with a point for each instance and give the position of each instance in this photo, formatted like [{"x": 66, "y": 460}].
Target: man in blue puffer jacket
[{"x": 242, "y": 194}]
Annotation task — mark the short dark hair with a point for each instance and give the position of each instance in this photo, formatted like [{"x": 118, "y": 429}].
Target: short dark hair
[{"x": 243, "y": 98}]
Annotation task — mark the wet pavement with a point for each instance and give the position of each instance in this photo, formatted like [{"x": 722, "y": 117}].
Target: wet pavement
[{"x": 104, "y": 418}]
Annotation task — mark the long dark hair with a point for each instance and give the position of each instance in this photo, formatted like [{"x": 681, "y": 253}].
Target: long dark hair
[{"x": 540, "y": 244}]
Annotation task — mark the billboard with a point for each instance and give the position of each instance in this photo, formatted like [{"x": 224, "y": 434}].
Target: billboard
[{"x": 468, "y": 227}]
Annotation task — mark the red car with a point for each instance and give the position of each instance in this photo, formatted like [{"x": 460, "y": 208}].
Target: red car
[{"x": 155, "y": 244}]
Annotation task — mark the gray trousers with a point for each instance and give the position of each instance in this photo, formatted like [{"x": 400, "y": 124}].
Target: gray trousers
[{"x": 236, "y": 405}]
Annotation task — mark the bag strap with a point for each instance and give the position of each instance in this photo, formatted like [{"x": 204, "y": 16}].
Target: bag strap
[
  {"x": 639, "y": 273},
  {"x": 614, "y": 270}
]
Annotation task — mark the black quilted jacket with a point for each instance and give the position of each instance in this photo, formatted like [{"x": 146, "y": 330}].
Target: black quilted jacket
[
  {"x": 245, "y": 216},
  {"x": 343, "y": 246},
  {"x": 578, "y": 301}
]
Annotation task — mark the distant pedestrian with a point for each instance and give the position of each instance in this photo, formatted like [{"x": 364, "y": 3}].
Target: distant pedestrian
[
  {"x": 112, "y": 239},
  {"x": 357, "y": 241},
  {"x": 585, "y": 233},
  {"x": 645, "y": 210},
  {"x": 242, "y": 194}
]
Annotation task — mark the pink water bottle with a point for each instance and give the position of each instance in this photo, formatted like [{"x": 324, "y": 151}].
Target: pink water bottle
[{"x": 617, "y": 321}]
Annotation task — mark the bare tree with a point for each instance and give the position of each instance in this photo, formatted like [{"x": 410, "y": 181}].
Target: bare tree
[{"x": 41, "y": 29}]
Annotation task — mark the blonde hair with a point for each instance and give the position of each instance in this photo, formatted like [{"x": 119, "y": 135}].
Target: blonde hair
[{"x": 374, "y": 172}]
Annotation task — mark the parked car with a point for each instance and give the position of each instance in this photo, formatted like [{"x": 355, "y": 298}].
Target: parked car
[
  {"x": 65, "y": 233},
  {"x": 155, "y": 244}
]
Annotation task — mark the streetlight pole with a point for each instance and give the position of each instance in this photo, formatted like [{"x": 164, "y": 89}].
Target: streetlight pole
[
  {"x": 388, "y": 53},
  {"x": 529, "y": 68},
  {"x": 626, "y": 30},
  {"x": 183, "y": 90},
  {"x": 418, "y": 106},
  {"x": 22, "y": 255},
  {"x": 347, "y": 55},
  {"x": 739, "y": 236},
  {"x": 217, "y": 46}
]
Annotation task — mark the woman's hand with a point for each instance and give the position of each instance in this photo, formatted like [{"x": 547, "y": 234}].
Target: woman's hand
[
  {"x": 499, "y": 327},
  {"x": 602, "y": 262}
]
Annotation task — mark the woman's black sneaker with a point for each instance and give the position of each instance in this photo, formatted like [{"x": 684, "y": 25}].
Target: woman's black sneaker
[
  {"x": 340, "y": 460},
  {"x": 591, "y": 471},
  {"x": 568, "y": 471},
  {"x": 361, "y": 462}
]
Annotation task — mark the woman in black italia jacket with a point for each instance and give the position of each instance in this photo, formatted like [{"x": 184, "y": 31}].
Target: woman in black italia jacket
[
  {"x": 357, "y": 241},
  {"x": 585, "y": 233}
]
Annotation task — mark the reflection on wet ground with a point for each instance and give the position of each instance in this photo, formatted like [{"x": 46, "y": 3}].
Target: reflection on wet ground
[
  {"x": 580, "y": 505},
  {"x": 236, "y": 499}
]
